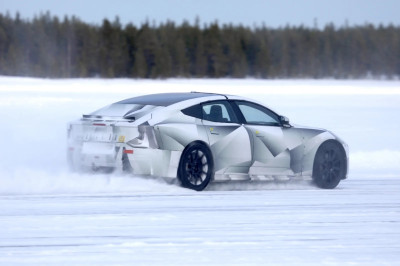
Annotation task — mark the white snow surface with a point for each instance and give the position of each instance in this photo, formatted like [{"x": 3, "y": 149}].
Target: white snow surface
[{"x": 49, "y": 216}]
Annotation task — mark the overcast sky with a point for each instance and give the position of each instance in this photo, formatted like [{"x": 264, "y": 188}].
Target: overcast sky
[{"x": 247, "y": 12}]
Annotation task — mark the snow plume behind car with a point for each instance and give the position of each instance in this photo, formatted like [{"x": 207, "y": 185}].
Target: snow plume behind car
[{"x": 34, "y": 113}]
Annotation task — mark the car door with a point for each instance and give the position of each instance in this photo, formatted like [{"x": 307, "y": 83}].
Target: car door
[
  {"x": 276, "y": 149},
  {"x": 229, "y": 140}
]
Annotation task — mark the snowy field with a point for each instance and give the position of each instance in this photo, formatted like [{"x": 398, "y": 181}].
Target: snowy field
[{"x": 50, "y": 216}]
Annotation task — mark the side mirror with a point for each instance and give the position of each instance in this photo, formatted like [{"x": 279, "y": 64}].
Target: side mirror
[{"x": 284, "y": 121}]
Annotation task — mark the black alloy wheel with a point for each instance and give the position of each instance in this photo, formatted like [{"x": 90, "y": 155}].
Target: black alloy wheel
[
  {"x": 196, "y": 167},
  {"x": 329, "y": 165}
]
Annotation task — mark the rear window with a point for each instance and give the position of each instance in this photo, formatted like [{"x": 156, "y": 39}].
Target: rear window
[{"x": 124, "y": 110}]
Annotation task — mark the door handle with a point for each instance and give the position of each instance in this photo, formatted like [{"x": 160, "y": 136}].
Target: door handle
[
  {"x": 212, "y": 131},
  {"x": 258, "y": 134}
]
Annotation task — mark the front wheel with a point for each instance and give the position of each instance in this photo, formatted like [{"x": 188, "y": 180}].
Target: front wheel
[
  {"x": 329, "y": 165},
  {"x": 196, "y": 167}
]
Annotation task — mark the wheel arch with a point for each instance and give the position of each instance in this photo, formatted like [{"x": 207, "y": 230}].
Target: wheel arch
[{"x": 201, "y": 142}]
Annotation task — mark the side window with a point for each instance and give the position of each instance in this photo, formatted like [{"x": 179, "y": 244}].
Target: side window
[
  {"x": 194, "y": 111},
  {"x": 256, "y": 114},
  {"x": 218, "y": 111}
]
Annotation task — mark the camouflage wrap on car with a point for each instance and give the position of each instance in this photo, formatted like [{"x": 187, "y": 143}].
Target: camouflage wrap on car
[{"x": 153, "y": 144}]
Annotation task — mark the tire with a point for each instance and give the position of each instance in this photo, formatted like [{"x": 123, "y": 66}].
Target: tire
[
  {"x": 196, "y": 167},
  {"x": 329, "y": 165}
]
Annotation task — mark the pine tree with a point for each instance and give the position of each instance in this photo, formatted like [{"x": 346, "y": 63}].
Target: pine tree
[{"x": 48, "y": 47}]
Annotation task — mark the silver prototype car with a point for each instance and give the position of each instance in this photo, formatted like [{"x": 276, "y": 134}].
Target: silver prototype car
[{"x": 200, "y": 138}]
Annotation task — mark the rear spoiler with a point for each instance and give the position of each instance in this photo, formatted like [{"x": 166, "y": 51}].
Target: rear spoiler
[
  {"x": 92, "y": 116},
  {"x": 109, "y": 118}
]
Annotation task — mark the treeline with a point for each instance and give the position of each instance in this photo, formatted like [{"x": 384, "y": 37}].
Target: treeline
[{"x": 49, "y": 47}]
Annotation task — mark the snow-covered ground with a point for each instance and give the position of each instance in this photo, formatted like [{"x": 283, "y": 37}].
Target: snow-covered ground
[{"x": 51, "y": 216}]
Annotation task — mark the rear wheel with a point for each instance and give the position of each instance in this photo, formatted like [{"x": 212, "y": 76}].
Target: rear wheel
[
  {"x": 196, "y": 167},
  {"x": 329, "y": 165}
]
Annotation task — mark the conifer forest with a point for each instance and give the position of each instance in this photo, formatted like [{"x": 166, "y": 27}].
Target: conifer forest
[{"x": 52, "y": 47}]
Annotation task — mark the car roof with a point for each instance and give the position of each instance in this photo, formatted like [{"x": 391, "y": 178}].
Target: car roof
[{"x": 166, "y": 99}]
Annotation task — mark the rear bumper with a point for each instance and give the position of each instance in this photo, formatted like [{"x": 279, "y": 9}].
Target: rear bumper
[
  {"x": 98, "y": 154},
  {"x": 139, "y": 161}
]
